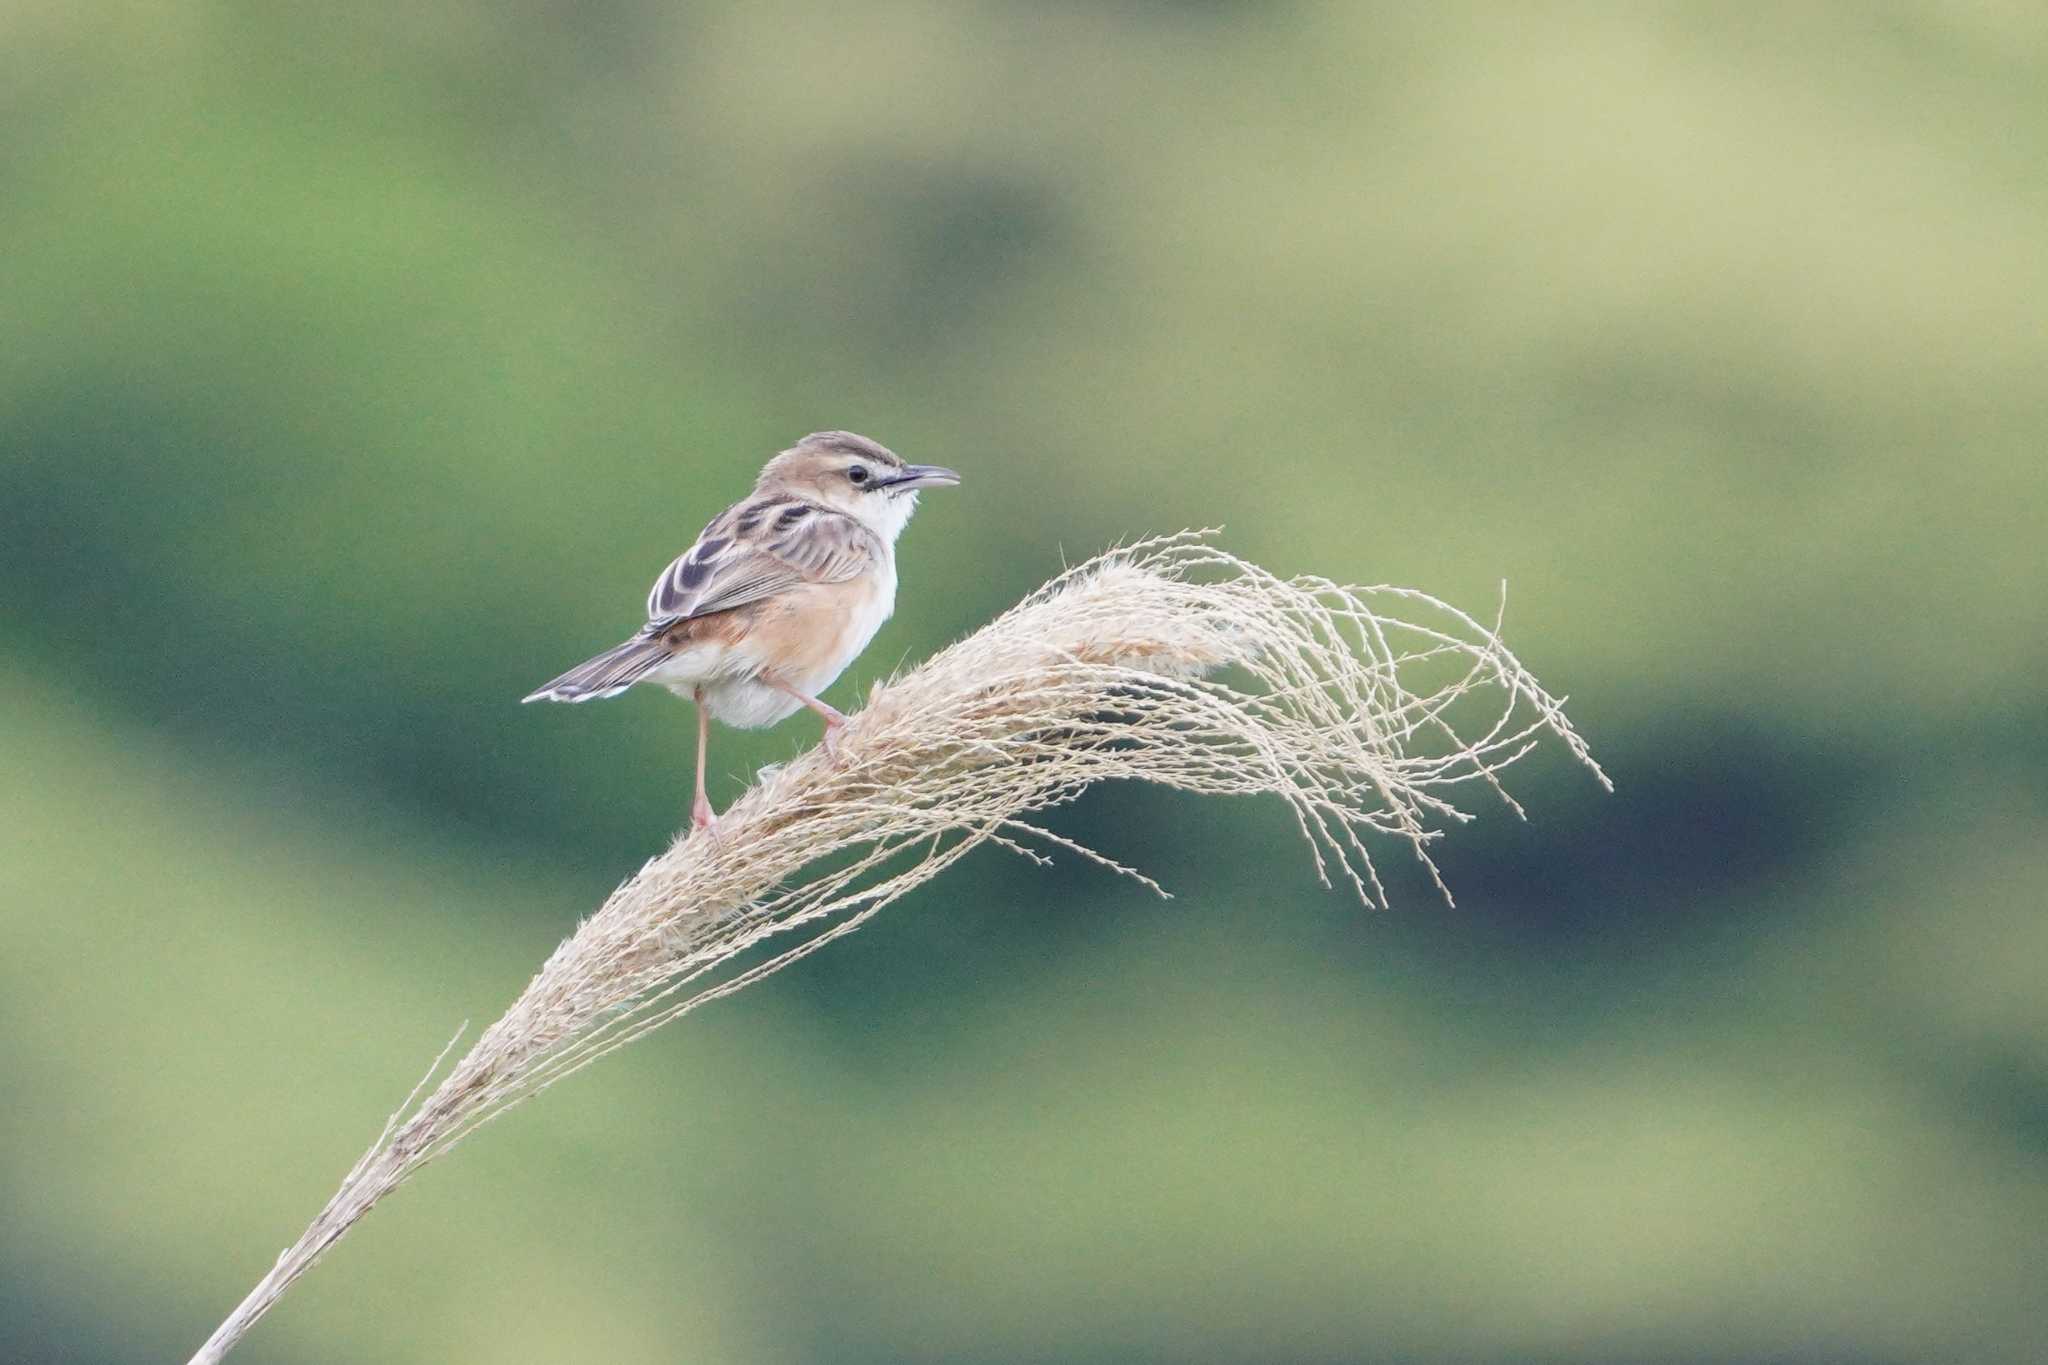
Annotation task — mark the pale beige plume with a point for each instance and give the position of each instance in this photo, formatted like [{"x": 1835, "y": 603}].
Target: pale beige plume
[{"x": 1365, "y": 710}]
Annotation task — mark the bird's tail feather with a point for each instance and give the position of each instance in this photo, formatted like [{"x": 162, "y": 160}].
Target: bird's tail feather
[{"x": 607, "y": 675}]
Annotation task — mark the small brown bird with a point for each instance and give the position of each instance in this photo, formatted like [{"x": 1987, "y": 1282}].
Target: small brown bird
[{"x": 780, "y": 593}]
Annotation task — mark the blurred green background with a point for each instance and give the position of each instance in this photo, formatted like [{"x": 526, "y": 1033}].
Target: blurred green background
[{"x": 360, "y": 365}]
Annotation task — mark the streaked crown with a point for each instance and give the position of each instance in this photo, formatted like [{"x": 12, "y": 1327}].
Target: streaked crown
[{"x": 829, "y": 450}]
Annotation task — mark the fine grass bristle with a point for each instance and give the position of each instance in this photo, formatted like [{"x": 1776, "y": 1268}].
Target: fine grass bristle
[{"x": 1170, "y": 661}]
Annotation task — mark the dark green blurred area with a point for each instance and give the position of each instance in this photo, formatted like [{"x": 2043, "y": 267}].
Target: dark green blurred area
[{"x": 360, "y": 366}]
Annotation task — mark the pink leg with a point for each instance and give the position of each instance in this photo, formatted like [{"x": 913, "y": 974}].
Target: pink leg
[
  {"x": 833, "y": 718},
  {"x": 701, "y": 814}
]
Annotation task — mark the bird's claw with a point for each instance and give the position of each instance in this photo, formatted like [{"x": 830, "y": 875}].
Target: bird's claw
[{"x": 702, "y": 817}]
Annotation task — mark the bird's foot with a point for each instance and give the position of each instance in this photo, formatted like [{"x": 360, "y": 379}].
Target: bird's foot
[
  {"x": 832, "y": 743},
  {"x": 702, "y": 817}
]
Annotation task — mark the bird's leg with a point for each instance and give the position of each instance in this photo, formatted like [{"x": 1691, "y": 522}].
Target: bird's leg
[
  {"x": 701, "y": 814},
  {"x": 834, "y": 719}
]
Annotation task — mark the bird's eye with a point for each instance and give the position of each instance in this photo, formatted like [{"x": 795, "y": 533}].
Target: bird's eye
[{"x": 858, "y": 473}]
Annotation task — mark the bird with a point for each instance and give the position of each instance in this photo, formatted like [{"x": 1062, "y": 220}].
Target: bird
[{"x": 781, "y": 591}]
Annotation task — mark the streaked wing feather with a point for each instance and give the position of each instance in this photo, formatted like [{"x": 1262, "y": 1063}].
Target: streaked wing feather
[
  {"x": 684, "y": 580},
  {"x": 825, "y": 547},
  {"x": 755, "y": 550}
]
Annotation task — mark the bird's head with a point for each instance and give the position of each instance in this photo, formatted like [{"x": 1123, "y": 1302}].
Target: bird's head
[{"x": 851, "y": 474}]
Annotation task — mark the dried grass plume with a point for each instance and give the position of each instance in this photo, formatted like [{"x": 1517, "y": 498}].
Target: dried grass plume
[{"x": 1365, "y": 710}]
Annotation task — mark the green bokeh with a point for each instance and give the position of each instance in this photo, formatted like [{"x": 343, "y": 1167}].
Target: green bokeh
[{"x": 360, "y": 366}]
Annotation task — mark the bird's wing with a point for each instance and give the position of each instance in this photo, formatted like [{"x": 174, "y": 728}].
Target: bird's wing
[{"x": 755, "y": 550}]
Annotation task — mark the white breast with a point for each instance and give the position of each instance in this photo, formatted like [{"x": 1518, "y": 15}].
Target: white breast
[{"x": 865, "y": 617}]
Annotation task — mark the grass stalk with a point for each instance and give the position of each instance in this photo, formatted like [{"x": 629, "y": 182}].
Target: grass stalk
[{"x": 1365, "y": 710}]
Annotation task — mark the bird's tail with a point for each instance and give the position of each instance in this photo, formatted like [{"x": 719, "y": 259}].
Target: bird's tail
[{"x": 607, "y": 675}]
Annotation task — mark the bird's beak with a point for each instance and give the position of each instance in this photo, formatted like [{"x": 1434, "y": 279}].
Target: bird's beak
[{"x": 925, "y": 476}]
